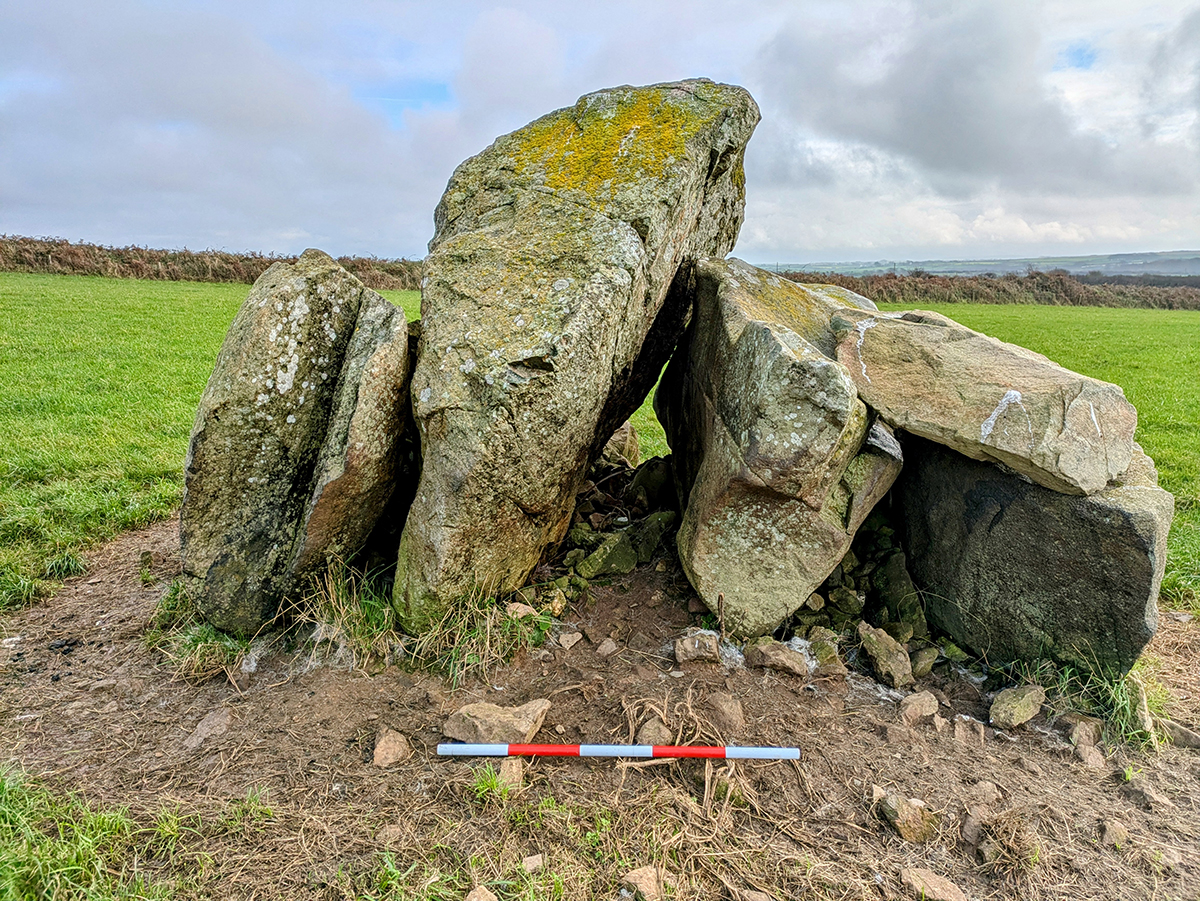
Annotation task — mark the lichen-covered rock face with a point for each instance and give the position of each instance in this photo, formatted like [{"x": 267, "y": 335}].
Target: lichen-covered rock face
[
  {"x": 1015, "y": 571},
  {"x": 263, "y": 438},
  {"x": 987, "y": 399},
  {"x": 776, "y": 460},
  {"x": 546, "y": 318},
  {"x": 360, "y": 460}
]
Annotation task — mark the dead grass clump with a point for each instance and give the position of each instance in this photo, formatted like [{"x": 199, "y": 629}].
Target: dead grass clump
[
  {"x": 352, "y": 611},
  {"x": 194, "y": 649},
  {"x": 1010, "y": 849},
  {"x": 475, "y": 636}
]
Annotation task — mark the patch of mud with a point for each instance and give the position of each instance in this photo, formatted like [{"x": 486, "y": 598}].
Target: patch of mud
[{"x": 85, "y": 706}]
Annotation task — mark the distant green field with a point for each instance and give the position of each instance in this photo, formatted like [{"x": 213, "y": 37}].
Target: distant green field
[
  {"x": 100, "y": 378},
  {"x": 99, "y": 382}
]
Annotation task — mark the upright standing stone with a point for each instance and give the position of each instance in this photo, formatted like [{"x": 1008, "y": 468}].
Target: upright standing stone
[
  {"x": 1015, "y": 571},
  {"x": 546, "y": 318},
  {"x": 251, "y": 525},
  {"x": 987, "y": 399},
  {"x": 776, "y": 459}
]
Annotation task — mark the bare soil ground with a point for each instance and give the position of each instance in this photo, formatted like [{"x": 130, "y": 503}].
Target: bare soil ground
[{"x": 84, "y": 706}]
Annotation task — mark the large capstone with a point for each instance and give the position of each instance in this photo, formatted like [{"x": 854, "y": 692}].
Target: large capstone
[
  {"x": 294, "y": 447},
  {"x": 547, "y": 320},
  {"x": 987, "y": 399},
  {"x": 1015, "y": 571},
  {"x": 776, "y": 459}
]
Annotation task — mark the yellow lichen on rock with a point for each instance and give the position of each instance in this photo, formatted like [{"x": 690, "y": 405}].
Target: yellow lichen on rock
[{"x": 609, "y": 137}]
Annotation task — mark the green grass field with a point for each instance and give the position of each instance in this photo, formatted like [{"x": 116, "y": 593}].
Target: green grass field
[{"x": 100, "y": 378}]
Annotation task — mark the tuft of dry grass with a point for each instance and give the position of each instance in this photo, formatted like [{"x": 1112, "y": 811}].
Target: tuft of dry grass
[{"x": 194, "y": 649}]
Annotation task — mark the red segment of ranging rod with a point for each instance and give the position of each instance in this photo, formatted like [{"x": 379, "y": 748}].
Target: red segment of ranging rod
[{"x": 719, "y": 752}]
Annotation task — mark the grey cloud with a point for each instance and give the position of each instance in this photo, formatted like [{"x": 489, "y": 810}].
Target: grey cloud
[
  {"x": 956, "y": 90},
  {"x": 183, "y": 128}
]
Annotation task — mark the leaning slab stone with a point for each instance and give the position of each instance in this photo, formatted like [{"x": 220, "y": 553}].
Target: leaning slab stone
[
  {"x": 1015, "y": 571},
  {"x": 989, "y": 400},
  {"x": 547, "y": 319},
  {"x": 251, "y": 523},
  {"x": 776, "y": 460}
]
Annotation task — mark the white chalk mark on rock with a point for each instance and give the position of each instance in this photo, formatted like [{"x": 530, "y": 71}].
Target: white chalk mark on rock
[
  {"x": 1010, "y": 397},
  {"x": 861, "y": 328},
  {"x": 1095, "y": 421}
]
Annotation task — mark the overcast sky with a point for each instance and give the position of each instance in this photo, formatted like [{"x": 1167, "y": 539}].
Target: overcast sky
[{"x": 933, "y": 129}]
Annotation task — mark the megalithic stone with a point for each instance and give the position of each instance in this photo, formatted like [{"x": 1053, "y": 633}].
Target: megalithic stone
[
  {"x": 987, "y": 399},
  {"x": 294, "y": 448},
  {"x": 546, "y": 319},
  {"x": 1015, "y": 571},
  {"x": 776, "y": 459}
]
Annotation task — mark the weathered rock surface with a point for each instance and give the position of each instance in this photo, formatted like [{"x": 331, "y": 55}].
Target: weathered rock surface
[
  {"x": 888, "y": 657},
  {"x": 546, "y": 317},
  {"x": 927, "y": 885},
  {"x": 292, "y": 451},
  {"x": 1016, "y": 706},
  {"x": 775, "y": 457},
  {"x": 772, "y": 654},
  {"x": 614, "y": 556},
  {"x": 989, "y": 400},
  {"x": 1015, "y": 571},
  {"x": 486, "y": 723}
]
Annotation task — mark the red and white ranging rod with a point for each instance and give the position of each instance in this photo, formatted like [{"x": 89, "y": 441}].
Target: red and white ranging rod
[{"x": 720, "y": 752}]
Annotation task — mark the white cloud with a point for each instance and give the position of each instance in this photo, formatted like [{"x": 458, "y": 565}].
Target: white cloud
[{"x": 890, "y": 128}]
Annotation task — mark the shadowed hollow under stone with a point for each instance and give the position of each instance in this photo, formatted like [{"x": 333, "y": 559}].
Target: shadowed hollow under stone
[
  {"x": 546, "y": 318},
  {"x": 1015, "y": 571}
]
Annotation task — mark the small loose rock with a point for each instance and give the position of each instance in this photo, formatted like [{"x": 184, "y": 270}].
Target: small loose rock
[
  {"x": 704, "y": 646},
  {"x": 488, "y": 723},
  {"x": 390, "y": 747},
  {"x": 726, "y": 713},
  {"x": 909, "y": 817},
  {"x": 918, "y": 707},
  {"x": 648, "y": 883},
  {"x": 771, "y": 654},
  {"x": 654, "y": 732},
  {"x": 568, "y": 640},
  {"x": 929, "y": 886},
  {"x": 1016, "y": 706}
]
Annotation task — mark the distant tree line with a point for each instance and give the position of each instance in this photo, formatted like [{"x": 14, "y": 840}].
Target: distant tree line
[
  {"x": 1055, "y": 288},
  {"x": 56, "y": 255}
]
